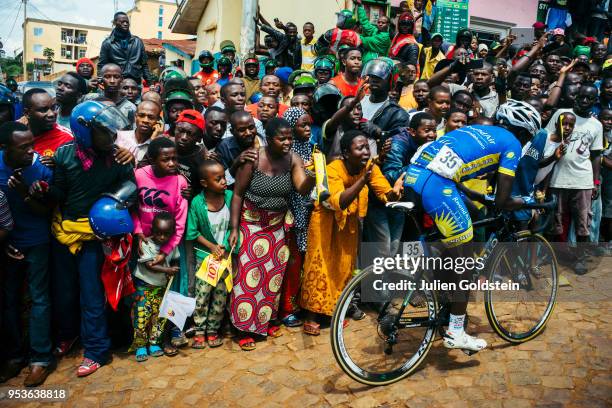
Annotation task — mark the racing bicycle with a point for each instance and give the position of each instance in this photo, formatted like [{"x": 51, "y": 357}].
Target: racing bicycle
[{"x": 398, "y": 331}]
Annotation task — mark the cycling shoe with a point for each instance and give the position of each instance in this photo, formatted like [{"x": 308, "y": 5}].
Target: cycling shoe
[{"x": 464, "y": 342}]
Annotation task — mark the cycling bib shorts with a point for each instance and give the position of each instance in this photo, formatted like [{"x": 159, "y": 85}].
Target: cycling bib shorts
[{"x": 460, "y": 155}]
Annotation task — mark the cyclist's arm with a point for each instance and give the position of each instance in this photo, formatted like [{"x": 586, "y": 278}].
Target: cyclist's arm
[
  {"x": 471, "y": 194},
  {"x": 545, "y": 183},
  {"x": 503, "y": 197}
]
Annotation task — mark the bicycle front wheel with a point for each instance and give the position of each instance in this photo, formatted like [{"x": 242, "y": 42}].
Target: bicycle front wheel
[
  {"x": 391, "y": 341},
  {"x": 520, "y": 315}
]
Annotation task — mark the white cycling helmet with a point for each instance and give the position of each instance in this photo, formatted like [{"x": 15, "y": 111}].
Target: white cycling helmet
[{"x": 520, "y": 114}]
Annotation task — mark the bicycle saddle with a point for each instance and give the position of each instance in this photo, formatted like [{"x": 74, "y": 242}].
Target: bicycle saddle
[{"x": 405, "y": 206}]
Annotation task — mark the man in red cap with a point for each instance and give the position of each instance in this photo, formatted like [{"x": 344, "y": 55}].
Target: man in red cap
[
  {"x": 538, "y": 29},
  {"x": 187, "y": 136},
  {"x": 85, "y": 69},
  {"x": 251, "y": 76}
]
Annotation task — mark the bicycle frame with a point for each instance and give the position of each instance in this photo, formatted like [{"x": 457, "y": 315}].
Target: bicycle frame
[
  {"x": 501, "y": 230},
  {"x": 428, "y": 310}
]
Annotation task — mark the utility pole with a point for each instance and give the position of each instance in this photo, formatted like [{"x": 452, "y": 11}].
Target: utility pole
[
  {"x": 247, "y": 27},
  {"x": 23, "y": 57}
]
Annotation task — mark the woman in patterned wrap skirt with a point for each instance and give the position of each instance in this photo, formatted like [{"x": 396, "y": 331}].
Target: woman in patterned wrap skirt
[{"x": 259, "y": 214}]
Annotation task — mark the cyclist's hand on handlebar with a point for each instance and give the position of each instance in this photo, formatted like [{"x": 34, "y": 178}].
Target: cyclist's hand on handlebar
[
  {"x": 546, "y": 206},
  {"x": 489, "y": 200},
  {"x": 528, "y": 199}
]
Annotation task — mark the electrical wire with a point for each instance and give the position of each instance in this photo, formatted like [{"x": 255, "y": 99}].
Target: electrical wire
[
  {"x": 14, "y": 21},
  {"x": 8, "y": 13}
]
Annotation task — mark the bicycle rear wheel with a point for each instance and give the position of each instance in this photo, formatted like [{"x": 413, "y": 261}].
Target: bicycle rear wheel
[
  {"x": 381, "y": 348},
  {"x": 521, "y": 315}
]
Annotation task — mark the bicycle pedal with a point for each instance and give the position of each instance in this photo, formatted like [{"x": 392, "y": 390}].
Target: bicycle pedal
[{"x": 469, "y": 352}]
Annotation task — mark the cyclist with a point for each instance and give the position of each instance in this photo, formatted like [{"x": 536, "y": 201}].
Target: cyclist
[{"x": 460, "y": 155}]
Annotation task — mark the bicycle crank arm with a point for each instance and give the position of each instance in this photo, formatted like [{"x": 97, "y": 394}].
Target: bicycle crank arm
[{"x": 406, "y": 323}]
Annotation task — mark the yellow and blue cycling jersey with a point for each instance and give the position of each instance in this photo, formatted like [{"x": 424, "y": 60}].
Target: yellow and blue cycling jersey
[
  {"x": 471, "y": 151},
  {"x": 460, "y": 155}
]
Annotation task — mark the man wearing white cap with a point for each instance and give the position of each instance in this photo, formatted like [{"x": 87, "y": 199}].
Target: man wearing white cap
[{"x": 483, "y": 51}]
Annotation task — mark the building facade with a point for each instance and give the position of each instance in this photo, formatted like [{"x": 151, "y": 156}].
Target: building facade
[
  {"x": 180, "y": 53},
  {"x": 213, "y": 21},
  {"x": 498, "y": 17},
  {"x": 151, "y": 19},
  {"x": 68, "y": 41}
]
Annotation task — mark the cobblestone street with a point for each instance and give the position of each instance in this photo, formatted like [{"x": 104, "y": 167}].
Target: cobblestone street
[{"x": 568, "y": 365}]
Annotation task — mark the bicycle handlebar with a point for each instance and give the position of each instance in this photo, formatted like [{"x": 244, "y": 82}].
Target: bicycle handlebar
[{"x": 547, "y": 206}]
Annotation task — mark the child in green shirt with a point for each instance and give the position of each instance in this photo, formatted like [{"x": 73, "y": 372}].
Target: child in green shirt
[{"x": 208, "y": 225}]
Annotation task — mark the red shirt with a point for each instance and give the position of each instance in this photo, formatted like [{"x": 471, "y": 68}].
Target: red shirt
[
  {"x": 47, "y": 143},
  {"x": 208, "y": 78},
  {"x": 252, "y": 109},
  {"x": 345, "y": 88},
  {"x": 281, "y": 109}
]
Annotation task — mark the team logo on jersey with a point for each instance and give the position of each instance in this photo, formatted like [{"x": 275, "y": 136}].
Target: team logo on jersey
[
  {"x": 447, "y": 191},
  {"x": 152, "y": 197},
  {"x": 509, "y": 155}
]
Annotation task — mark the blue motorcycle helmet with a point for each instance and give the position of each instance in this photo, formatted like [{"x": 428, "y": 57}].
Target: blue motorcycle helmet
[
  {"x": 99, "y": 115},
  {"x": 255, "y": 97},
  {"x": 109, "y": 216}
]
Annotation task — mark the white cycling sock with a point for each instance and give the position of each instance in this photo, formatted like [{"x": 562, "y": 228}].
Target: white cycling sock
[{"x": 455, "y": 324}]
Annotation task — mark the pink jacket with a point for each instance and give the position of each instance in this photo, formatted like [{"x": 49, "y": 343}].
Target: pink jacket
[{"x": 160, "y": 195}]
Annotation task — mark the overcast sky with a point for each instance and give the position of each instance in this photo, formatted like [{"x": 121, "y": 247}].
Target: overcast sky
[{"x": 93, "y": 12}]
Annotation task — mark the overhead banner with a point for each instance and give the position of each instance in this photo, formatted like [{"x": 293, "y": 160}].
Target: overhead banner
[
  {"x": 451, "y": 16},
  {"x": 542, "y": 10}
]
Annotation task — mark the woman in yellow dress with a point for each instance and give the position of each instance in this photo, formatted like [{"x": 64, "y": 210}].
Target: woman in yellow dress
[{"x": 333, "y": 234}]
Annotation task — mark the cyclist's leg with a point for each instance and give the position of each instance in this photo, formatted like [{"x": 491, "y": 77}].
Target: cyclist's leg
[{"x": 443, "y": 202}]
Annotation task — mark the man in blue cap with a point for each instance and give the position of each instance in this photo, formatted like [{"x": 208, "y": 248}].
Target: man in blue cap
[{"x": 283, "y": 73}]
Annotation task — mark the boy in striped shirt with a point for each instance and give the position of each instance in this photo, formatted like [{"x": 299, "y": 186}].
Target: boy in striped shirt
[{"x": 308, "y": 42}]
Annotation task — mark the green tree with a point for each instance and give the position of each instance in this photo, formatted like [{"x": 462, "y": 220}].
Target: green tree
[
  {"x": 49, "y": 54},
  {"x": 11, "y": 67}
]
